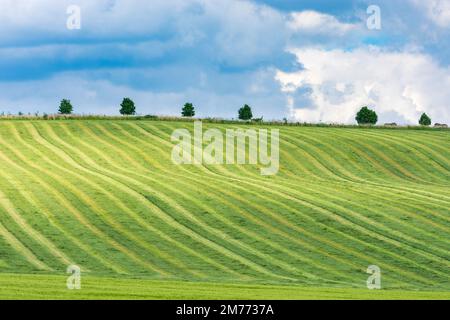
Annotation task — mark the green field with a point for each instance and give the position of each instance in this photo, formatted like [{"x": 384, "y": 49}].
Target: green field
[
  {"x": 105, "y": 195},
  {"x": 53, "y": 287}
]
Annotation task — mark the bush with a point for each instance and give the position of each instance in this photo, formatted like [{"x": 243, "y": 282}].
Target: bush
[
  {"x": 366, "y": 116},
  {"x": 65, "y": 107},
  {"x": 425, "y": 120},
  {"x": 188, "y": 110},
  {"x": 245, "y": 113},
  {"x": 127, "y": 107}
]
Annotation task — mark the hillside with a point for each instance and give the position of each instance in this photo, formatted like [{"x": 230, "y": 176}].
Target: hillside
[{"x": 105, "y": 195}]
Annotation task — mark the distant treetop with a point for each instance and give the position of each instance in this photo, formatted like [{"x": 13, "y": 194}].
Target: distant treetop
[
  {"x": 366, "y": 116},
  {"x": 425, "y": 120},
  {"x": 65, "y": 107},
  {"x": 127, "y": 107},
  {"x": 188, "y": 110},
  {"x": 245, "y": 113}
]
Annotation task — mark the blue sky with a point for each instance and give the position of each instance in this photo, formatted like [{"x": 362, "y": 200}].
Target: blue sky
[{"x": 303, "y": 60}]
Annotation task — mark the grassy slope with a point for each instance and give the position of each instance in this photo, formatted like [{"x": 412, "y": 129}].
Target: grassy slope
[{"x": 105, "y": 196}]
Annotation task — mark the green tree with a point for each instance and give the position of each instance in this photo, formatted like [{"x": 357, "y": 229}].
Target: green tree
[
  {"x": 65, "y": 107},
  {"x": 127, "y": 107},
  {"x": 245, "y": 113},
  {"x": 425, "y": 120},
  {"x": 366, "y": 116},
  {"x": 188, "y": 110}
]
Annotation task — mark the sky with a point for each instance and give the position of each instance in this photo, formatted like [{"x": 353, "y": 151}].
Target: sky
[{"x": 304, "y": 60}]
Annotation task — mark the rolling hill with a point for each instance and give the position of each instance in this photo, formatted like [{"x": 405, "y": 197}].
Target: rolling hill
[{"x": 105, "y": 195}]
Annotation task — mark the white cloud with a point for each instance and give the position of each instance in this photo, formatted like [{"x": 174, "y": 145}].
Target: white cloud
[
  {"x": 318, "y": 23},
  {"x": 101, "y": 17},
  {"x": 437, "y": 10},
  {"x": 245, "y": 32},
  {"x": 232, "y": 32},
  {"x": 403, "y": 84}
]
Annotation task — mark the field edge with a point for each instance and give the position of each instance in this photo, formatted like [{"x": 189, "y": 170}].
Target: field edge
[{"x": 53, "y": 287}]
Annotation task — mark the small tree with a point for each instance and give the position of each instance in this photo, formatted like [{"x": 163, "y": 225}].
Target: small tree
[
  {"x": 188, "y": 110},
  {"x": 425, "y": 120},
  {"x": 245, "y": 113},
  {"x": 127, "y": 107},
  {"x": 65, "y": 107},
  {"x": 366, "y": 116}
]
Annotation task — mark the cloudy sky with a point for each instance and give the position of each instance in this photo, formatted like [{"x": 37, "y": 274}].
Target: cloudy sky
[{"x": 308, "y": 60}]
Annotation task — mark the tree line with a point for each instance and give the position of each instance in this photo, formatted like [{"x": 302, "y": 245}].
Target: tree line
[
  {"x": 365, "y": 116},
  {"x": 128, "y": 108}
]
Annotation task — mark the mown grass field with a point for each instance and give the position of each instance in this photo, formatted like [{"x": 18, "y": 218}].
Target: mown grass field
[
  {"x": 105, "y": 195},
  {"x": 53, "y": 287}
]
